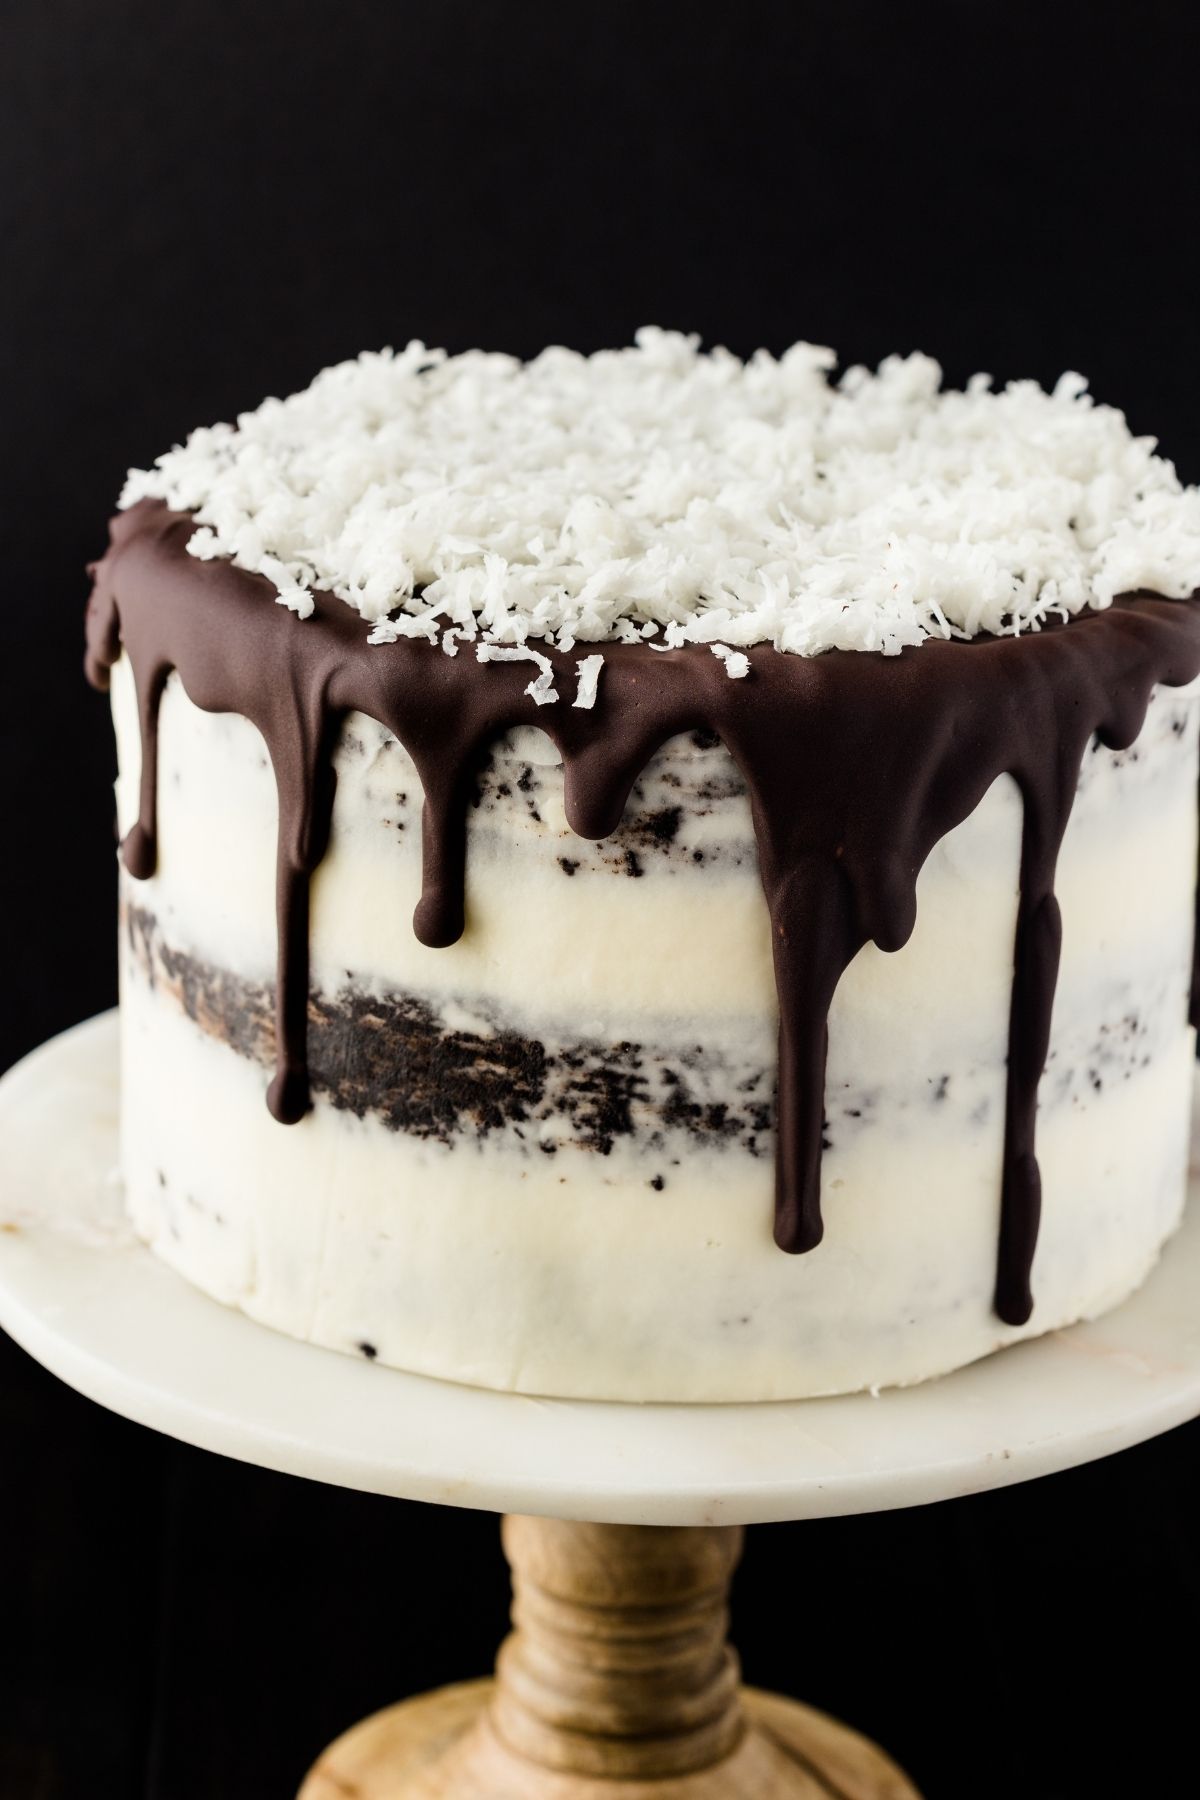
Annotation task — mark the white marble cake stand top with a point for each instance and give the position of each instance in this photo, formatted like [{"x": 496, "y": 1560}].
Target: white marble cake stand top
[{"x": 91, "y": 1303}]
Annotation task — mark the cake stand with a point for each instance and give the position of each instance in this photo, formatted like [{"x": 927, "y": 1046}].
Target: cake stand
[{"x": 617, "y": 1682}]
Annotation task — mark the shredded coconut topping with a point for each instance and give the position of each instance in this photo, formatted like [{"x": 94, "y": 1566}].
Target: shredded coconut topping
[{"x": 664, "y": 495}]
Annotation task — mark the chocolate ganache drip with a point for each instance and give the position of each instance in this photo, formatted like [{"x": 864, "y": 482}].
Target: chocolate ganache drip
[{"x": 856, "y": 764}]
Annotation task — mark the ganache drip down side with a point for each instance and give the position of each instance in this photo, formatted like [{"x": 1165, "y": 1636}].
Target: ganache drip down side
[{"x": 856, "y": 765}]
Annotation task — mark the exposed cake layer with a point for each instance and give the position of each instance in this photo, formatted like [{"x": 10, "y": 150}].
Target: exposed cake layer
[{"x": 542, "y": 1157}]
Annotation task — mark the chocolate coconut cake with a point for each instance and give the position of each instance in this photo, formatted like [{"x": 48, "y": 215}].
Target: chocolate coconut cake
[{"x": 654, "y": 877}]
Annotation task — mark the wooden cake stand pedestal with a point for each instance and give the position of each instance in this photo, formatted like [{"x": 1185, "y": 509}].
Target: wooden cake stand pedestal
[{"x": 617, "y": 1682}]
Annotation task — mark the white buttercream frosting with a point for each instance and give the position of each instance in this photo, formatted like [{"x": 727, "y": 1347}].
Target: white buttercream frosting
[{"x": 530, "y": 1255}]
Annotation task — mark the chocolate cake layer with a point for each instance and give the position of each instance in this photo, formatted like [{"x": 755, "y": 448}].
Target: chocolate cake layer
[{"x": 396, "y": 1057}]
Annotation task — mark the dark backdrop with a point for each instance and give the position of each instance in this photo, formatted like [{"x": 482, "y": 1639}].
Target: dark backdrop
[{"x": 201, "y": 203}]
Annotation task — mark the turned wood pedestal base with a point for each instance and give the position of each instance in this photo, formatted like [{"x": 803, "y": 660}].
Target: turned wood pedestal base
[{"x": 617, "y": 1683}]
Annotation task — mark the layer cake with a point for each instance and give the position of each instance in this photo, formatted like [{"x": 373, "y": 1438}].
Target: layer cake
[{"x": 791, "y": 784}]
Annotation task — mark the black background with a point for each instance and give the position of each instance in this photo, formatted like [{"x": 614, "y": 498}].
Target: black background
[{"x": 202, "y": 203}]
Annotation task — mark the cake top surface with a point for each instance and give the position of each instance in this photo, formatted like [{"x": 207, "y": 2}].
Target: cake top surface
[{"x": 664, "y": 494}]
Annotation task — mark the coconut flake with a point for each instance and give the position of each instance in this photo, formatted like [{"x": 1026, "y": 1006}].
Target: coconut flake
[
  {"x": 456, "y": 634},
  {"x": 736, "y": 664},
  {"x": 541, "y": 689},
  {"x": 588, "y": 670},
  {"x": 665, "y": 495}
]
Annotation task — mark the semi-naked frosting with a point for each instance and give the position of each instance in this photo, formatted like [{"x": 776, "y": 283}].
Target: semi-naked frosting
[{"x": 759, "y": 1025}]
